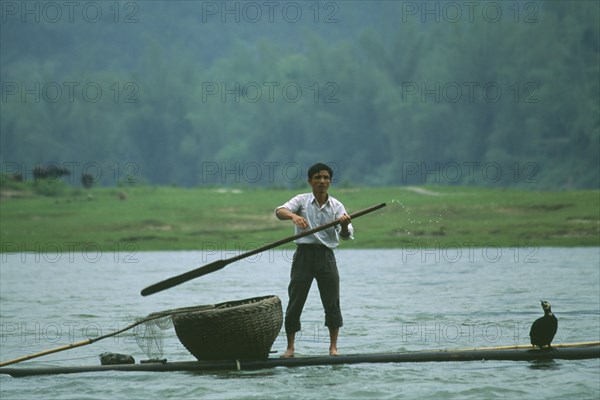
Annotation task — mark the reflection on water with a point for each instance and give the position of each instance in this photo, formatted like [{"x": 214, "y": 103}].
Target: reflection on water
[{"x": 552, "y": 365}]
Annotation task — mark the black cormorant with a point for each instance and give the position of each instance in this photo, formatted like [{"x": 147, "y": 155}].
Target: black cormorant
[{"x": 543, "y": 329}]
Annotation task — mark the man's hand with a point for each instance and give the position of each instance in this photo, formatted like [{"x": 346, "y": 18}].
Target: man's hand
[
  {"x": 299, "y": 221},
  {"x": 284, "y": 213},
  {"x": 344, "y": 222}
]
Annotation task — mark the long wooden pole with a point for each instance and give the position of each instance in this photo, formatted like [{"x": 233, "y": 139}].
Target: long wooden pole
[{"x": 217, "y": 265}]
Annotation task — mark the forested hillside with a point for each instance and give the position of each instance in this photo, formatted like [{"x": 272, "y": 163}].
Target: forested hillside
[{"x": 242, "y": 93}]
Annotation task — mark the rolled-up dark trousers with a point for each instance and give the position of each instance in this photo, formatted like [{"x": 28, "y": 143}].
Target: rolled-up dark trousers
[{"x": 313, "y": 262}]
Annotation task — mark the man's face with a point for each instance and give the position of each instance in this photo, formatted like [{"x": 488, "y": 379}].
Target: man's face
[{"x": 320, "y": 182}]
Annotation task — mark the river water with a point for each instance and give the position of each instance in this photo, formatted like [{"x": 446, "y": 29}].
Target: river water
[{"x": 392, "y": 300}]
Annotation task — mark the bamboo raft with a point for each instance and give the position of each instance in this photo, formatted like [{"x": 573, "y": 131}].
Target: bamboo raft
[{"x": 569, "y": 351}]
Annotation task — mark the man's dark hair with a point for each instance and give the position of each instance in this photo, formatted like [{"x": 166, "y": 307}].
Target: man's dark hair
[{"x": 319, "y": 167}]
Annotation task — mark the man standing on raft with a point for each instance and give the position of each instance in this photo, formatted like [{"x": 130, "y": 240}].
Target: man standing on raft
[{"x": 314, "y": 257}]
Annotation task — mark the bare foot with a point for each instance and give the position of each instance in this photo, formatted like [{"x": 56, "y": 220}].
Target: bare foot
[
  {"x": 289, "y": 353},
  {"x": 333, "y": 352}
]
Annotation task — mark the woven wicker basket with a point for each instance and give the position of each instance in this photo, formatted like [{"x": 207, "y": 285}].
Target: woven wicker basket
[{"x": 236, "y": 330}]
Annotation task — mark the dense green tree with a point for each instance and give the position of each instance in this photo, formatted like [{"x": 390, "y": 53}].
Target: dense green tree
[{"x": 178, "y": 93}]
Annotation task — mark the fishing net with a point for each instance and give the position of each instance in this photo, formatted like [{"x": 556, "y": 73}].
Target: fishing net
[
  {"x": 150, "y": 335},
  {"x": 149, "y": 332}
]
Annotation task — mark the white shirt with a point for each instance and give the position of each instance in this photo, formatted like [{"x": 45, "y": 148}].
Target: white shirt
[{"x": 306, "y": 206}]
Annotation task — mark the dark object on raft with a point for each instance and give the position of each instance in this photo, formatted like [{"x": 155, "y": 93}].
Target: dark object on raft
[
  {"x": 116, "y": 359},
  {"x": 543, "y": 329},
  {"x": 575, "y": 351},
  {"x": 235, "y": 330}
]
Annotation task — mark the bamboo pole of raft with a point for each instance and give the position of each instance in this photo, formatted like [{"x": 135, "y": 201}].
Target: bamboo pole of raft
[
  {"x": 571, "y": 351},
  {"x": 528, "y": 346}
]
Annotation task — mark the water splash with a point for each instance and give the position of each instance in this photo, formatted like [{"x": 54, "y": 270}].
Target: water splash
[
  {"x": 394, "y": 202},
  {"x": 411, "y": 224},
  {"x": 401, "y": 230}
]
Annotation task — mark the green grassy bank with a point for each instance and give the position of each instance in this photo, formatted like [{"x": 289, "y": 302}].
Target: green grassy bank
[{"x": 169, "y": 218}]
